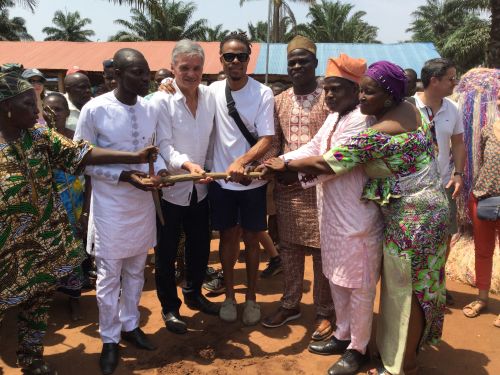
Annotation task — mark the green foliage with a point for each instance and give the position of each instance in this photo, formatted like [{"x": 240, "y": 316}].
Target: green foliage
[
  {"x": 283, "y": 20},
  {"x": 215, "y": 34},
  {"x": 12, "y": 28},
  {"x": 170, "y": 21},
  {"x": 334, "y": 22},
  {"x": 69, "y": 26},
  {"x": 456, "y": 29},
  {"x": 258, "y": 32},
  {"x": 29, "y": 4}
]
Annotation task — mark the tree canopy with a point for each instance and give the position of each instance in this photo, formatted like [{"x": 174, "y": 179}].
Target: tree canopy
[
  {"x": 456, "y": 28},
  {"x": 282, "y": 19},
  {"x": 69, "y": 27},
  {"x": 12, "y": 28},
  {"x": 335, "y": 22},
  {"x": 170, "y": 21}
]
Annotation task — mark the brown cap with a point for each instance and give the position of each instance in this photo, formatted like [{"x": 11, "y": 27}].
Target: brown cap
[
  {"x": 301, "y": 42},
  {"x": 345, "y": 67}
]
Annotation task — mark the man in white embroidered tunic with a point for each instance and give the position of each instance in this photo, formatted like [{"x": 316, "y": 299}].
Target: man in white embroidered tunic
[{"x": 122, "y": 209}]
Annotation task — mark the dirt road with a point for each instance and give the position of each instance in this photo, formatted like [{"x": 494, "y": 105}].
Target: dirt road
[{"x": 469, "y": 347}]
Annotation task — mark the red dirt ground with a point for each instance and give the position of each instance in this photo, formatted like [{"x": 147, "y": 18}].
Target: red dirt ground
[{"x": 469, "y": 346}]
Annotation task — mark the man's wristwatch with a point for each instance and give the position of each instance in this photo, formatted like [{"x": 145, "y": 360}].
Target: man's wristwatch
[{"x": 461, "y": 174}]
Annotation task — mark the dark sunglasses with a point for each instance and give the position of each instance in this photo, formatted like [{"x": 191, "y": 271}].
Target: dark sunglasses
[{"x": 242, "y": 57}]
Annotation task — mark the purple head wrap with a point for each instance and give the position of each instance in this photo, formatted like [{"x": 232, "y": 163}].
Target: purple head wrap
[{"x": 391, "y": 77}]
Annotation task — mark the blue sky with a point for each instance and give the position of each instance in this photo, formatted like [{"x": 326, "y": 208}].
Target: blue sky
[{"x": 392, "y": 17}]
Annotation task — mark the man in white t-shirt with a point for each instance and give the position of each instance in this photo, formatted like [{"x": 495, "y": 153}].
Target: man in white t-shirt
[
  {"x": 439, "y": 77},
  {"x": 239, "y": 204}
]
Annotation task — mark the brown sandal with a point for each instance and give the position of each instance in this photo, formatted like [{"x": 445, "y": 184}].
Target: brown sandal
[{"x": 474, "y": 308}]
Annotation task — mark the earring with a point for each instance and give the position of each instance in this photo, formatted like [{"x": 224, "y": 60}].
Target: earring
[
  {"x": 387, "y": 103},
  {"x": 9, "y": 115}
]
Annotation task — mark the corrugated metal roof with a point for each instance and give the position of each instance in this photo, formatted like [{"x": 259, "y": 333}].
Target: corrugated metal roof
[
  {"x": 89, "y": 55},
  {"x": 406, "y": 55}
]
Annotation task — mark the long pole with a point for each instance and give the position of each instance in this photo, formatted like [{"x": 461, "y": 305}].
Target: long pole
[{"x": 268, "y": 37}]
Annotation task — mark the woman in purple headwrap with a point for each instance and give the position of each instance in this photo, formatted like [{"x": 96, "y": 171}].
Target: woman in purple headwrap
[{"x": 397, "y": 153}]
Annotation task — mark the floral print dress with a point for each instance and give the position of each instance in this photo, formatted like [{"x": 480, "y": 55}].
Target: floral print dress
[
  {"x": 406, "y": 184},
  {"x": 37, "y": 245}
]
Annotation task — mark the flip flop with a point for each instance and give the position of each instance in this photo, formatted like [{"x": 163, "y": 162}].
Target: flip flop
[
  {"x": 474, "y": 308},
  {"x": 496, "y": 323}
]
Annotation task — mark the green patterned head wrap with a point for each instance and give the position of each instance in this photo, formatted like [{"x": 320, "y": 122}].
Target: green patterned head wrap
[{"x": 11, "y": 83}]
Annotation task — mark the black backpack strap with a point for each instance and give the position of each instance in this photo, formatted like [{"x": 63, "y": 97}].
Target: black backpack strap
[{"x": 233, "y": 112}]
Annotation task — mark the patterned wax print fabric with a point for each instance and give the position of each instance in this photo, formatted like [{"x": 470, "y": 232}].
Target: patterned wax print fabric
[
  {"x": 37, "y": 245},
  {"x": 487, "y": 183},
  {"x": 70, "y": 189},
  {"x": 297, "y": 119},
  {"x": 416, "y": 212}
]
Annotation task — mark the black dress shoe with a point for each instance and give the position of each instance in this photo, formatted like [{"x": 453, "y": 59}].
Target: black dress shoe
[
  {"x": 349, "y": 364},
  {"x": 109, "y": 358},
  {"x": 328, "y": 347},
  {"x": 138, "y": 338},
  {"x": 199, "y": 302},
  {"x": 174, "y": 323}
]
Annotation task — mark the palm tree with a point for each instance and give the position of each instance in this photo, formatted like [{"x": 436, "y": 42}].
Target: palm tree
[
  {"x": 12, "y": 28},
  {"x": 30, "y": 4},
  {"x": 258, "y": 32},
  {"x": 456, "y": 29},
  {"x": 281, "y": 10},
  {"x": 332, "y": 22},
  {"x": 69, "y": 27},
  {"x": 171, "y": 21},
  {"x": 215, "y": 34}
]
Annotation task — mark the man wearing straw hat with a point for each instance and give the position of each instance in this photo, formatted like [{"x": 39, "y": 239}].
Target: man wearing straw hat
[{"x": 299, "y": 113}]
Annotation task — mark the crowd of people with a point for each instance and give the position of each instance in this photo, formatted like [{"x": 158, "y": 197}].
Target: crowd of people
[{"x": 358, "y": 170}]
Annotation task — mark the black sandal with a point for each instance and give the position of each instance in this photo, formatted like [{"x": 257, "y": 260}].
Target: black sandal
[{"x": 39, "y": 367}]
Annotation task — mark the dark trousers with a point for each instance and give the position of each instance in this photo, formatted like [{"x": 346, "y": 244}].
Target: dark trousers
[{"x": 194, "y": 220}]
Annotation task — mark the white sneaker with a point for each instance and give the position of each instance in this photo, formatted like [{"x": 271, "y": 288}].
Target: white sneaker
[
  {"x": 228, "y": 311},
  {"x": 251, "y": 313}
]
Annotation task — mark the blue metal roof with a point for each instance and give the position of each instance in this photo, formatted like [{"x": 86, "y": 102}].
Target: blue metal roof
[{"x": 406, "y": 55}]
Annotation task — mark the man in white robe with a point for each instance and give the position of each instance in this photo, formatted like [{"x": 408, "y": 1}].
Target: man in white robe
[
  {"x": 122, "y": 207},
  {"x": 350, "y": 228}
]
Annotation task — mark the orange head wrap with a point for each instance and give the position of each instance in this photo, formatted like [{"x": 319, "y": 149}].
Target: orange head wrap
[{"x": 345, "y": 67}]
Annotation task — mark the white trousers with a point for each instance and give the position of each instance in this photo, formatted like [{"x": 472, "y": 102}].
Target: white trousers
[
  {"x": 119, "y": 311},
  {"x": 354, "y": 313}
]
